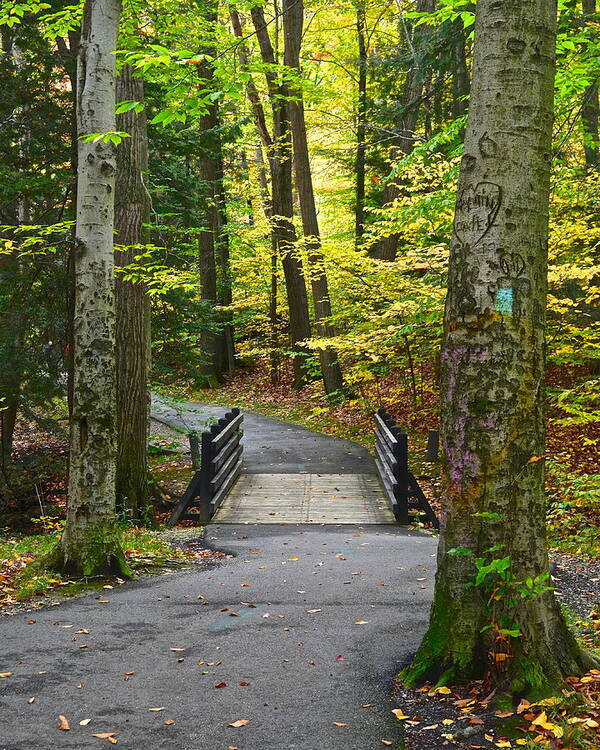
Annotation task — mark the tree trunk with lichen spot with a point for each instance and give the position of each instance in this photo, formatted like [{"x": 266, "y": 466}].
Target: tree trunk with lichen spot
[
  {"x": 132, "y": 307},
  {"x": 492, "y": 366},
  {"x": 90, "y": 542}
]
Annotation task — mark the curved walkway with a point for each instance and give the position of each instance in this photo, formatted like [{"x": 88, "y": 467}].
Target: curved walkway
[
  {"x": 272, "y": 446},
  {"x": 324, "y": 618}
]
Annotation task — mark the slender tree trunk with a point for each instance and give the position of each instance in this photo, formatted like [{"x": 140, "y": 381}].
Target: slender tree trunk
[
  {"x": 68, "y": 50},
  {"x": 280, "y": 162},
  {"x": 90, "y": 543},
  {"x": 591, "y": 106},
  {"x": 273, "y": 287},
  {"x": 361, "y": 125},
  {"x": 293, "y": 19},
  {"x": 213, "y": 340},
  {"x": 12, "y": 323},
  {"x": 387, "y": 247},
  {"x": 492, "y": 371},
  {"x": 132, "y": 308}
]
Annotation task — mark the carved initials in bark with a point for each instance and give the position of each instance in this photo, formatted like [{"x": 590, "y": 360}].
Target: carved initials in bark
[{"x": 476, "y": 211}]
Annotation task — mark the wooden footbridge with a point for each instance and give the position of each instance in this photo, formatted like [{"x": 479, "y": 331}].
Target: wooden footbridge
[{"x": 324, "y": 481}]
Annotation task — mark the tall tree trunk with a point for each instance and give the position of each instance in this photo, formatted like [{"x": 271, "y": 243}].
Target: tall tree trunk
[
  {"x": 12, "y": 329},
  {"x": 492, "y": 372},
  {"x": 68, "y": 51},
  {"x": 293, "y": 19},
  {"x": 280, "y": 162},
  {"x": 90, "y": 542},
  {"x": 591, "y": 106},
  {"x": 361, "y": 124},
  {"x": 213, "y": 245},
  {"x": 387, "y": 247},
  {"x": 132, "y": 308}
]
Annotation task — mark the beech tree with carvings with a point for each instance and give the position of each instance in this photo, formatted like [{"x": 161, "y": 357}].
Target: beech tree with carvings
[{"x": 494, "y": 606}]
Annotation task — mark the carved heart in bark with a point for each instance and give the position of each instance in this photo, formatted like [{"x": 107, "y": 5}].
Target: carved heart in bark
[{"x": 476, "y": 209}]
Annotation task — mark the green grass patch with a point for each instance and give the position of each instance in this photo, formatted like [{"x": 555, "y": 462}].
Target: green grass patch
[{"x": 21, "y": 578}]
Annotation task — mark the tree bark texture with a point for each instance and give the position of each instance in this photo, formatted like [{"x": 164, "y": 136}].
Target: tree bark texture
[
  {"x": 293, "y": 21},
  {"x": 90, "y": 543},
  {"x": 387, "y": 247},
  {"x": 132, "y": 308},
  {"x": 492, "y": 364},
  {"x": 280, "y": 163}
]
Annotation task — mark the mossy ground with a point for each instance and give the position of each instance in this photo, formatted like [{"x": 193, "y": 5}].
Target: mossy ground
[{"x": 21, "y": 578}]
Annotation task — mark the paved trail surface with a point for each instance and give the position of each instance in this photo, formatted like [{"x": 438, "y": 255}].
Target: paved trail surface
[
  {"x": 299, "y": 593},
  {"x": 272, "y": 446},
  {"x": 297, "y": 686}
]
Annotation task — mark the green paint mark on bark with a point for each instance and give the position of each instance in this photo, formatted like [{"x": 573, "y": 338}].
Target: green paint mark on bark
[{"x": 505, "y": 301}]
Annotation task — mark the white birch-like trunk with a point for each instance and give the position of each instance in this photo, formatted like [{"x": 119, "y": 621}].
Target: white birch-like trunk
[
  {"x": 90, "y": 543},
  {"x": 492, "y": 368}
]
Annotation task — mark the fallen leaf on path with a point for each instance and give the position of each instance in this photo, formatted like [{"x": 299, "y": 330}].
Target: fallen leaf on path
[
  {"x": 399, "y": 714},
  {"x": 160, "y": 708},
  {"x": 6, "y": 674},
  {"x": 112, "y": 740},
  {"x": 63, "y": 723},
  {"x": 178, "y": 650},
  {"x": 32, "y": 699},
  {"x": 221, "y": 685},
  {"x": 239, "y": 723},
  {"x": 312, "y": 611},
  {"x": 104, "y": 735},
  {"x": 244, "y": 684},
  {"x": 387, "y": 743},
  {"x": 84, "y": 722},
  {"x": 361, "y": 622},
  {"x": 340, "y": 724},
  {"x": 168, "y": 722},
  {"x": 340, "y": 658}
]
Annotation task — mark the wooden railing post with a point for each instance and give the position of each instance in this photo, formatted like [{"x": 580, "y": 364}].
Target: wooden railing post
[
  {"x": 401, "y": 456},
  {"x": 205, "y": 472}
]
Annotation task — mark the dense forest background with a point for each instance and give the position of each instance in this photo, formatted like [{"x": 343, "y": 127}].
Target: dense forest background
[{"x": 311, "y": 287}]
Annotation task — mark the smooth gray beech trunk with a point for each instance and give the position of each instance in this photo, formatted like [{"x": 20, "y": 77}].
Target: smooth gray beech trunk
[
  {"x": 90, "y": 542},
  {"x": 492, "y": 368},
  {"x": 132, "y": 206}
]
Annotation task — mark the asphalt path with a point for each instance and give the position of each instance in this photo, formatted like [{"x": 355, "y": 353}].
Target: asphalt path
[
  {"x": 270, "y": 445},
  {"x": 304, "y": 627}
]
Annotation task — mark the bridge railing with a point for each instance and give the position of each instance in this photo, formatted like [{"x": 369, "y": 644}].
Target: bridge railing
[
  {"x": 220, "y": 463},
  {"x": 401, "y": 487}
]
